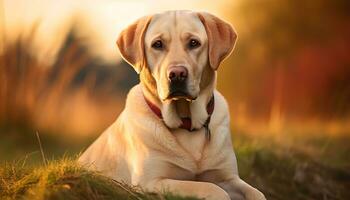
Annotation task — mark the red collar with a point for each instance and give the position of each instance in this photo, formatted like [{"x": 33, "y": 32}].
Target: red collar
[{"x": 186, "y": 122}]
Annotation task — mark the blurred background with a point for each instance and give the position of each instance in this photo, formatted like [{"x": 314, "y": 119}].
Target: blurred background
[{"x": 287, "y": 83}]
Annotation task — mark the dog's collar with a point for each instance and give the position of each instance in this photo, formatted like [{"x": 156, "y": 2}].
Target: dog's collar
[{"x": 186, "y": 122}]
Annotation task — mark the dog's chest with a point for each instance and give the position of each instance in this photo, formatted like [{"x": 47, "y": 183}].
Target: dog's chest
[{"x": 192, "y": 142}]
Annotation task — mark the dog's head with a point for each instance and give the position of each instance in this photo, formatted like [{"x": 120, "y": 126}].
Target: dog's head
[{"x": 177, "y": 48}]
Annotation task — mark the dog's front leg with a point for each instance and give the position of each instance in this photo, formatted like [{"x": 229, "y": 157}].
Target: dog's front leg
[
  {"x": 203, "y": 190},
  {"x": 237, "y": 186}
]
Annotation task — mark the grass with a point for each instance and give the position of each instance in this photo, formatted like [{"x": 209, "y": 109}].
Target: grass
[
  {"x": 74, "y": 92},
  {"x": 280, "y": 171},
  {"x": 287, "y": 171},
  {"x": 64, "y": 179}
]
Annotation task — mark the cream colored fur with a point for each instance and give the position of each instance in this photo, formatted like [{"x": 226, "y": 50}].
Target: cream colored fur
[{"x": 141, "y": 149}]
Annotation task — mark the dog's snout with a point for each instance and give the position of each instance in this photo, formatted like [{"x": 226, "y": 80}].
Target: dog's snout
[{"x": 177, "y": 73}]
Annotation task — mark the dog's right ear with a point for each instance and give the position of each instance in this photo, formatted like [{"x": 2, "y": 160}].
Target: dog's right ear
[{"x": 131, "y": 43}]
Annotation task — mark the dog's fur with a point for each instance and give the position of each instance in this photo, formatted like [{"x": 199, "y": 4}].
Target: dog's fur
[{"x": 140, "y": 148}]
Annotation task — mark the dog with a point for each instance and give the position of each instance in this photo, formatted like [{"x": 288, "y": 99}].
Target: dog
[{"x": 174, "y": 132}]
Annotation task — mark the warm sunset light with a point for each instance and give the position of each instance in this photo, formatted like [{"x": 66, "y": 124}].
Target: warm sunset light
[{"x": 287, "y": 85}]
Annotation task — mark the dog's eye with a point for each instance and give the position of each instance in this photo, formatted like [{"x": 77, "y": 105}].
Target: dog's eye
[
  {"x": 158, "y": 45},
  {"x": 193, "y": 44}
]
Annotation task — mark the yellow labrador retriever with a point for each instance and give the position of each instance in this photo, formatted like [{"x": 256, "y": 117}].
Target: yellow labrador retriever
[{"x": 174, "y": 133}]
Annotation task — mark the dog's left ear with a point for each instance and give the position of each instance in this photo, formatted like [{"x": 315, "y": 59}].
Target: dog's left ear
[
  {"x": 221, "y": 38},
  {"x": 131, "y": 43}
]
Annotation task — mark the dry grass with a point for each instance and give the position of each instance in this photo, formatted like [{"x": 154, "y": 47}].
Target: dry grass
[
  {"x": 295, "y": 168},
  {"x": 281, "y": 171},
  {"x": 58, "y": 96},
  {"x": 65, "y": 179}
]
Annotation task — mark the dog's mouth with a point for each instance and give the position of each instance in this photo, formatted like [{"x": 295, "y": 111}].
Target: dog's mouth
[
  {"x": 178, "y": 91},
  {"x": 177, "y": 95}
]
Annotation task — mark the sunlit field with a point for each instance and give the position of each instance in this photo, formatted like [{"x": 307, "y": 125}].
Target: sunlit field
[{"x": 287, "y": 84}]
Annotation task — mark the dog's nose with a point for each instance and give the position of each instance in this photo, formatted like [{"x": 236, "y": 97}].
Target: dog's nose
[{"x": 177, "y": 73}]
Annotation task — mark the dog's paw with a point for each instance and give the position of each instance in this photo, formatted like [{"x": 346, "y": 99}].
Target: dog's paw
[
  {"x": 217, "y": 193},
  {"x": 255, "y": 195},
  {"x": 224, "y": 196}
]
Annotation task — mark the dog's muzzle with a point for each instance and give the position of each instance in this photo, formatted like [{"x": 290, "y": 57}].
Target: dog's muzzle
[{"x": 177, "y": 76}]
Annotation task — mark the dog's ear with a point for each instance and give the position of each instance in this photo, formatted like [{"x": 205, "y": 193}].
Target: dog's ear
[
  {"x": 221, "y": 38},
  {"x": 131, "y": 43}
]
